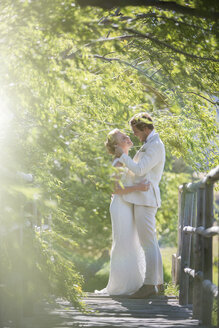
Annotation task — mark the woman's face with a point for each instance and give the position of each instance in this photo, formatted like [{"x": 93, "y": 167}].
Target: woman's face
[{"x": 123, "y": 141}]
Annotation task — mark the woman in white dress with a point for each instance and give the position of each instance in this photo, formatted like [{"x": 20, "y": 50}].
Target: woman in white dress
[{"x": 127, "y": 264}]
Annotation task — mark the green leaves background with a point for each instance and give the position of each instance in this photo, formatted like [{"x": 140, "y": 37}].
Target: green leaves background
[{"x": 69, "y": 75}]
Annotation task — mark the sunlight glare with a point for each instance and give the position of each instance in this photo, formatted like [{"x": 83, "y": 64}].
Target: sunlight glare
[{"x": 5, "y": 118}]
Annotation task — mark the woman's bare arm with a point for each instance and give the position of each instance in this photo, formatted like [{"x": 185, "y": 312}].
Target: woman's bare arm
[{"x": 141, "y": 186}]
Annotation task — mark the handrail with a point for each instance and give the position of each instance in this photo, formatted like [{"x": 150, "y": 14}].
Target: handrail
[
  {"x": 208, "y": 233},
  {"x": 192, "y": 265},
  {"x": 194, "y": 274},
  {"x": 210, "y": 178}
]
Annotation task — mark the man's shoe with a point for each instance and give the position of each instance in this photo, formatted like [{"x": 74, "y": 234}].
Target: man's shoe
[{"x": 145, "y": 292}]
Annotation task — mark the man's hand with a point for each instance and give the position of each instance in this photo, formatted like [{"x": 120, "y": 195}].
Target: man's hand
[
  {"x": 143, "y": 186},
  {"x": 118, "y": 151}
]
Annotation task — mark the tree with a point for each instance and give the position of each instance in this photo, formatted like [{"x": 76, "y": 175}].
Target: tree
[
  {"x": 68, "y": 81},
  {"x": 190, "y": 8}
]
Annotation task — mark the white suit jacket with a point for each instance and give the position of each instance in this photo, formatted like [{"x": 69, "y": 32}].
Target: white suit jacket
[{"x": 148, "y": 163}]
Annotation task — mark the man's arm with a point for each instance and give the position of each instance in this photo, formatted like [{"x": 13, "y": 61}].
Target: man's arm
[
  {"x": 148, "y": 161},
  {"x": 141, "y": 186},
  {"x": 123, "y": 190}
]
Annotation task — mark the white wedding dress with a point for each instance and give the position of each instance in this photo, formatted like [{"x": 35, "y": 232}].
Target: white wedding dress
[{"x": 127, "y": 260}]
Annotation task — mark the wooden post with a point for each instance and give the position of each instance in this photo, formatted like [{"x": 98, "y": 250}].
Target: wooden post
[
  {"x": 193, "y": 224},
  {"x": 207, "y": 301},
  {"x": 175, "y": 257},
  {"x": 186, "y": 249},
  {"x": 181, "y": 207},
  {"x": 173, "y": 271},
  {"x": 198, "y": 255}
]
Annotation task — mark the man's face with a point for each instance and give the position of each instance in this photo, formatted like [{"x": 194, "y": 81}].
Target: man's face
[{"x": 141, "y": 135}]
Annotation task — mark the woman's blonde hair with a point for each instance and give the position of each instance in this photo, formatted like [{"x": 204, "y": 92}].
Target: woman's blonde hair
[{"x": 111, "y": 141}]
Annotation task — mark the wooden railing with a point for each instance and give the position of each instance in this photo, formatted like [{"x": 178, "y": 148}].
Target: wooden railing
[{"x": 192, "y": 265}]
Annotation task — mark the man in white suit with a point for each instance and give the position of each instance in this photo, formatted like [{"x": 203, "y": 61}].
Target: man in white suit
[{"x": 148, "y": 163}]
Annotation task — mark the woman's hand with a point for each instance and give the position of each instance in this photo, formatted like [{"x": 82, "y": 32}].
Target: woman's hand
[{"x": 143, "y": 186}]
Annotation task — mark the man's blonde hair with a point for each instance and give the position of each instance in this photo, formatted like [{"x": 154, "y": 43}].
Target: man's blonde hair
[{"x": 142, "y": 121}]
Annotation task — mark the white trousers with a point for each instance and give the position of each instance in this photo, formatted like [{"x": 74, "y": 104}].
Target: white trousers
[{"x": 146, "y": 227}]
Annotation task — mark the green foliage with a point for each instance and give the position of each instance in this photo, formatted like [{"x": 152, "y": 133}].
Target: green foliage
[
  {"x": 171, "y": 289},
  {"x": 31, "y": 265},
  {"x": 68, "y": 78},
  {"x": 167, "y": 215}
]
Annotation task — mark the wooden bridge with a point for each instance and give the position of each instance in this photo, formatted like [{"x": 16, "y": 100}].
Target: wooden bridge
[
  {"x": 192, "y": 271},
  {"x": 105, "y": 311}
]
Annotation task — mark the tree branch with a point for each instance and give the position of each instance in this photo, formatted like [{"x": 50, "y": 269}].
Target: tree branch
[
  {"x": 127, "y": 64},
  {"x": 194, "y": 93},
  {"x": 120, "y": 38},
  {"x": 163, "y": 43},
  {"x": 165, "y": 5},
  {"x": 142, "y": 16},
  {"x": 149, "y": 37}
]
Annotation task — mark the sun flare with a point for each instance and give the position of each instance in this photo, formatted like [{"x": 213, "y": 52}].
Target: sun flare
[{"x": 5, "y": 118}]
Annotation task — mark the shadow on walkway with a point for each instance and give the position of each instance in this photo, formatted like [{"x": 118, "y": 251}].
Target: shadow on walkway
[{"x": 104, "y": 311}]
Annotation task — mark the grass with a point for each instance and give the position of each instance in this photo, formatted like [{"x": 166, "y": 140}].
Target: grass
[
  {"x": 166, "y": 253},
  {"x": 170, "y": 288}
]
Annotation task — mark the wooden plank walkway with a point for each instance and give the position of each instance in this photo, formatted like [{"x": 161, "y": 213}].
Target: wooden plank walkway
[{"x": 164, "y": 312}]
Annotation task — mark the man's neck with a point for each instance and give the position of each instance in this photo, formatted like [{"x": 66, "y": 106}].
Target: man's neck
[{"x": 149, "y": 134}]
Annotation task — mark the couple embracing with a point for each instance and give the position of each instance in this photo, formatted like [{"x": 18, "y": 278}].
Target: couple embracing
[{"x": 135, "y": 264}]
